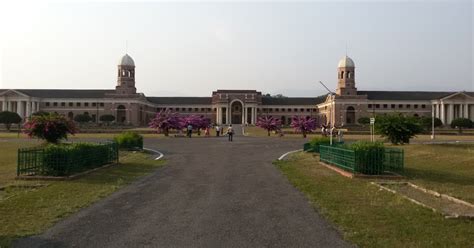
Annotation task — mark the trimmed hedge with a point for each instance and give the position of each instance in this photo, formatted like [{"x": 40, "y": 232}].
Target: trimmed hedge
[
  {"x": 129, "y": 140},
  {"x": 313, "y": 145},
  {"x": 65, "y": 159},
  {"x": 370, "y": 157}
]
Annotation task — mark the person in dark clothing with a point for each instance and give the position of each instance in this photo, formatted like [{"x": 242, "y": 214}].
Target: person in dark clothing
[{"x": 230, "y": 133}]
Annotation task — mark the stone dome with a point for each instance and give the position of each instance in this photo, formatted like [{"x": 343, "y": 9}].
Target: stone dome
[
  {"x": 126, "y": 60},
  {"x": 346, "y": 62}
]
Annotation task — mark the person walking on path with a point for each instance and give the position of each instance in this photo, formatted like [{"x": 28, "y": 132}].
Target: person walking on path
[
  {"x": 230, "y": 132},
  {"x": 190, "y": 130},
  {"x": 218, "y": 131},
  {"x": 206, "y": 132}
]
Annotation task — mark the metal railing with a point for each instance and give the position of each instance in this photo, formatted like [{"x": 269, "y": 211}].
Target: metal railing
[
  {"x": 65, "y": 159},
  {"x": 365, "y": 162}
]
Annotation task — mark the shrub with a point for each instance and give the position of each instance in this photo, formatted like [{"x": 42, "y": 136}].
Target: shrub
[
  {"x": 129, "y": 140},
  {"x": 107, "y": 118},
  {"x": 369, "y": 157},
  {"x": 8, "y": 118},
  {"x": 364, "y": 121},
  {"x": 461, "y": 123},
  {"x": 66, "y": 159},
  {"x": 426, "y": 122},
  {"x": 397, "y": 128},
  {"x": 316, "y": 142},
  {"x": 82, "y": 118},
  {"x": 269, "y": 123},
  {"x": 50, "y": 127}
]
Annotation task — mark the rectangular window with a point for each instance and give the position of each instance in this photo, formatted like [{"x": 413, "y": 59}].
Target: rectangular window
[
  {"x": 70, "y": 104},
  {"x": 385, "y": 106},
  {"x": 400, "y": 105},
  {"x": 377, "y": 105},
  {"x": 392, "y": 106},
  {"x": 196, "y": 109},
  {"x": 408, "y": 105},
  {"x": 369, "y": 106},
  {"x": 94, "y": 104},
  {"x": 86, "y": 104},
  {"x": 47, "y": 104},
  {"x": 423, "y": 106},
  {"x": 190, "y": 109},
  {"x": 55, "y": 104},
  {"x": 302, "y": 110},
  {"x": 102, "y": 104},
  {"x": 63, "y": 104},
  {"x": 78, "y": 104},
  {"x": 415, "y": 106},
  {"x": 289, "y": 110}
]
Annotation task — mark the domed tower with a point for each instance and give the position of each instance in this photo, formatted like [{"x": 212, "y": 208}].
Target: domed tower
[
  {"x": 126, "y": 76},
  {"x": 346, "y": 77}
]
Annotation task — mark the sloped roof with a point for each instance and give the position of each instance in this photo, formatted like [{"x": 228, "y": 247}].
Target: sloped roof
[
  {"x": 407, "y": 95},
  {"x": 293, "y": 100},
  {"x": 180, "y": 100},
  {"x": 55, "y": 93}
]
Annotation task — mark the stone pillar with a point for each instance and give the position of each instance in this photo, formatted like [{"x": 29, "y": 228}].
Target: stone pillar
[
  {"x": 9, "y": 106},
  {"x": 4, "y": 105},
  {"x": 438, "y": 108},
  {"x": 466, "y": 111},
  {"x": 252, "y": 115},
  {"x": 227, "y": 114},
  {"x": 443, "y": 111},
  {"x": 28, "y": 109},
  {"x": 450, "y": 113},
  {"x": 244, "y": 114},
  {"x": 217, "y": 115},
  {"x": 19, "y": 108}
]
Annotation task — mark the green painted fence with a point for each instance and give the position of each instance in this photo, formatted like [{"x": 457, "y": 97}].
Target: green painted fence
[
  {"x": 65, "y": 159},
  {"x": 373, "y": 163}
]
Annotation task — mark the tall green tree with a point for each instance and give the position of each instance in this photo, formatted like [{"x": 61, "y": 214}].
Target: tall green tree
[
  {"x": 8, "y": 118},
  {"x": 397, "y": 128}
]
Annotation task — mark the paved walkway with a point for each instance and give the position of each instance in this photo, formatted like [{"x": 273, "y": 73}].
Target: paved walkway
[{"x": 212, "y": 193}]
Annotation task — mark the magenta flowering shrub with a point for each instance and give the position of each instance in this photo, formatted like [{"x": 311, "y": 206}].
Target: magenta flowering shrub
[
  {"x": 269, "y": 123},
  {"x": 165, "y": 120},
  {"x": 303, "y": 124},
  {"x": 50, "y": 127}
]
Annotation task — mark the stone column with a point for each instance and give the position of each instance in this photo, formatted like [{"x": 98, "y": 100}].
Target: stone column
[
  {"x": 244, "y": 114},
  {"x": 438, "y": 108},
  {"x": 4, "y": 105},
  {"x": 217, "y": 115},
  {"x": 19, "y": 108},
  {"x": 9, "y": 106},
  {"x": 466, "y": 111},
  {"x": 28, "y": 109},
  {"x": 443, "y": 114},
  {"x": 227, "y": 111},
  {"x": 252, "y": 115},
  {"x": 450, "y": 113}
]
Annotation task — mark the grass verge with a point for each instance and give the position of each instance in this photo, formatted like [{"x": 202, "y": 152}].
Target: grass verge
[
  {"x": 29, "y": 212},
  {"x": 370, "y": 217}
]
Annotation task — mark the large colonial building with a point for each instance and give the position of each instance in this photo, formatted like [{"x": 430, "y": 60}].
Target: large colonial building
[{"x": 342, "y": 107}]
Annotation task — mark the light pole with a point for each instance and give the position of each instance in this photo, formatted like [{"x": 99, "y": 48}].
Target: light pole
[
  {"x": 331, "y": 112},
  {"x": 432, "y": 122}
]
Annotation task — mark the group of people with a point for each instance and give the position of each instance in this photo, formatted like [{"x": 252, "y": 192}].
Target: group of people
[
  {"x": 219, "y": 131},
  {"x": 326, "y": 130}
]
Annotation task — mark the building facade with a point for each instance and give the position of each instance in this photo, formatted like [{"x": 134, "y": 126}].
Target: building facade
[{"x": 342, "y": 107}]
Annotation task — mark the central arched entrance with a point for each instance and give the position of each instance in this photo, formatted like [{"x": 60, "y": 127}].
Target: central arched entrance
[
  {"x": 236, "y": 109},
  {"x": 121, "y": 114},
  {"x": 350, "y": 115}
]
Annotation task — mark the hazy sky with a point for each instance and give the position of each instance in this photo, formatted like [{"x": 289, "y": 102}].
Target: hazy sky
[{"x": 186, "y": 49}]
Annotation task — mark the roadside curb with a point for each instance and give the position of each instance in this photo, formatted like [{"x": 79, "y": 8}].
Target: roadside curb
[
  {"x": 288, "y": 153},
  {"x": 160, "y": 154}
]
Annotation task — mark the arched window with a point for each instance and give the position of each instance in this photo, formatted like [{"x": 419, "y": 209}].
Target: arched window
[
  {"x": 348, "y": 74},
  {"x": 342, "y": 74}
]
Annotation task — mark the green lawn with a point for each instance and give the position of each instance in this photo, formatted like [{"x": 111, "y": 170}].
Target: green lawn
[
  {"x": 370, "y": 217},
  {"x": 28, "y": 212}
]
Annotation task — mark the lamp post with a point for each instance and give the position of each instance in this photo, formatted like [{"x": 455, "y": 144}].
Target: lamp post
[{"x": 331, "y": 112}]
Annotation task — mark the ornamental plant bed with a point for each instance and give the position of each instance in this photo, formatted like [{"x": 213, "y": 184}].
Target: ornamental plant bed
[{"x": 64, "y": 160}]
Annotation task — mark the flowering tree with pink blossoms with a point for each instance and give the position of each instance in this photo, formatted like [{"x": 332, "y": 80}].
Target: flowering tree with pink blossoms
[
  {"x": 198, "y": 122},
  {"x": 50, "y": 127},
  {"x": 165, "y": 120},
  {"x": 269, "y": 123},
  {"x": 303, "y": 124}
]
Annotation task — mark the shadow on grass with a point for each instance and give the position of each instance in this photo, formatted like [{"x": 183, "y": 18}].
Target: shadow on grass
[{"x": 36, "y": 242}]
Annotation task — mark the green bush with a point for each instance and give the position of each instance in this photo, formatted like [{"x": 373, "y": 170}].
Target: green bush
[
  {"x": 461, "y": 123},
  {"x": 129, "y": 140},
  {"x": 397, "y": 128},
  {"x": 369, "y": 157},
  {"x": 67, "y": 159},
  {"x": 364, "y": 121},
  {"x": 316, "y": 142}
]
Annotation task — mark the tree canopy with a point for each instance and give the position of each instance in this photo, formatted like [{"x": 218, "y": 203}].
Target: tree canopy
[
  {"x": 8, "y": 118},
  {"x": 397, "y": 128}
]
